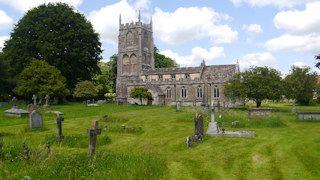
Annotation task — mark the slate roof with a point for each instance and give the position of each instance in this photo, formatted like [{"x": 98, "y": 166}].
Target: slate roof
[{"x": 180, "y": 70}]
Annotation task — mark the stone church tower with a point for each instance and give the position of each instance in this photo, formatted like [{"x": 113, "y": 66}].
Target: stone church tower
[{"x": 135, "y": 45}]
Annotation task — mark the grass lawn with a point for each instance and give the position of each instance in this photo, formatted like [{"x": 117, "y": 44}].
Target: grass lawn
[{"x": 155, "y": 145}]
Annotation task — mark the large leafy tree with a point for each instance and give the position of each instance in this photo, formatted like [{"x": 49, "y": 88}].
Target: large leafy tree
[
  {"x": 59, "y": 35},
  {"x": 41, "y": 78},
  {"x": 161, "y": 61},
  {"x": 256, "y": 83},
  {"x": 140, "y": 93},
  {"x": 4, "y": 79},
  {"x": 300, "y": 84},
  {"x": 85, "y": 90}
]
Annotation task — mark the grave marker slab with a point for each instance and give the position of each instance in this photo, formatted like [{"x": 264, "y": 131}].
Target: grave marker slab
[{"x": 35, "y": 120}]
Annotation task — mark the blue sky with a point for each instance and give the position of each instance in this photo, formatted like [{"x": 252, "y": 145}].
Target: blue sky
[{"x": 276, "y": 33}]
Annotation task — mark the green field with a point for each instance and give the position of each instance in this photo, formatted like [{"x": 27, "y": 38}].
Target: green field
[{"x": 154, "y": 147}]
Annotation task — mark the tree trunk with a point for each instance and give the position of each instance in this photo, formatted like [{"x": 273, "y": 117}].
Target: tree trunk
[
  {"x": 258, "y": 104},
  {"x": 140, "y": 101}
]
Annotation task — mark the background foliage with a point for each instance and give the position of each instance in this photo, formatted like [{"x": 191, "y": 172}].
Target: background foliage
[
  {"x": 40, "y": 78},
  {"x": 59, "y": 35}
]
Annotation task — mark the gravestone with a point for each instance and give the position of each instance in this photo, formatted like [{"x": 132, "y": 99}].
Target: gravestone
[
  {"x": 93, "y": 132},
  {"x": 213, "y": 127},
  {"x": 204, "y": 105},
  {"x": 35, "y": 120},
  {"x": 15, "y": 111},
  {"x": 219, "y": 109},
  {"x": 226, "y": 110},
  {"x": 188, "y": 142},
  {"x": 235, "y": 123},
  {"x": 102, "y": 102},
  {"x": 47, "y": 101},
  {"x": 178, "y": 106},
  {"x": 4, "y": 104},
  {"x": 14, "y": 103},
  {"x": 34, "y": 98},
  {"x": 198, "y": 126},
  {"x": 294, "y": 110},
  {"x": 59, "y": 121},
  {"x": 32, "y": 107},
  {"x": 88, "y": 101}
]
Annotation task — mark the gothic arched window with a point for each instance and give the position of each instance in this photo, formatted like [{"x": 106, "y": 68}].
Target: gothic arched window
[
  {"x": 129, "y": 39},
  {"x": 125, "y": 59},
  {"x": 199, "y": 92},
  {"x": 216, "y": 92},
  {"x": 168, "y": 93},
  {"x": 183, "y": 92},
  {"x": 133, "y": 59}
]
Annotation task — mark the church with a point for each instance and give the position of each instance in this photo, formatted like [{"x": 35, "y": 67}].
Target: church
[{"x": 168, "y": 86}]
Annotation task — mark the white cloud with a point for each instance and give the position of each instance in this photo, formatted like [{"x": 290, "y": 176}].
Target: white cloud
[
  {"x": 278, "y": 3},
  {"x": 2, "y": 39},
  {"x": 291, "y": 43},
  {"x": 300, "y": 22},
  {"x": 142, "y": 4},
  {"x": 257, "y": 59},
  {"x": 303, "y": 30},
  {"x": 253, "y": 29},
  {"x": 106, "y": 20},
  {"x": 198, "y": 54},
  {"x": 25, "y": 5},
  {"x": 5, "y": 20},
  {"x": 189, "y": 23}
]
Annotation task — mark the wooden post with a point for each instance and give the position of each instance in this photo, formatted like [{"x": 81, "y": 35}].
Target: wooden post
[
  {"x": 93, "y": 132},
  {"x": 59, "y": 121}
]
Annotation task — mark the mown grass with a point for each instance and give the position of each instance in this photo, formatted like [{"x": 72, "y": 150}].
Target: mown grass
[{"x": 153, "y": 147}]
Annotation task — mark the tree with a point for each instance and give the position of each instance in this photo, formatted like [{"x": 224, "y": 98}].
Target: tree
[
  {"x": 85, "y": 90},
  {"x": 140, "y": 93},
  {"x": 4, "y": 79},
  {"x": 256, "y": 83},
  {"x": 112, "y": 71},
  {"x": 161, "y": 61},
  {"x": 234, "y": 88},
  {"x": 41, "y": 78},
  {"x": 300, "y": 84},
  {"x": 59, "y": 35},
  {"x": 318, "y": 63}
]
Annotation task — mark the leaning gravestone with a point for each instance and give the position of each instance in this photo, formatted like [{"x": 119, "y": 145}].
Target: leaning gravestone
[
  {"x": 178, "y": 106},
  {"x": 35, "y": 119},
  {"x": 93, "y": 132}
]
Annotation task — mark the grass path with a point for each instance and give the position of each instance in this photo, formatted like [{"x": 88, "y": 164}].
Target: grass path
[{"x": 289, "y": 150}]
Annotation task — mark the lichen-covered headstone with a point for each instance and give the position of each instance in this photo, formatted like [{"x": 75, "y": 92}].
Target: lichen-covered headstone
[{"x": 35, "y": 119}]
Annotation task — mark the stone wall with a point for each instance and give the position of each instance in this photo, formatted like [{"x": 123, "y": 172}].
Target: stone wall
[
  {"x": 259, "y": 112},
  {"x": 309, "y": 116}
]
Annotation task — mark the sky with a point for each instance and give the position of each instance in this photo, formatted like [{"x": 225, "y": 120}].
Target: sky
[{"x": 275, "y": 33}]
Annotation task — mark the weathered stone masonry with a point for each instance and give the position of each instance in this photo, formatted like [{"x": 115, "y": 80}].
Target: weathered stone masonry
[{"x": 167, "y": 85}]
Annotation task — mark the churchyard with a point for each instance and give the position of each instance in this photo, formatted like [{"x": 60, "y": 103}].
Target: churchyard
[{"x": 149, "y": 142}]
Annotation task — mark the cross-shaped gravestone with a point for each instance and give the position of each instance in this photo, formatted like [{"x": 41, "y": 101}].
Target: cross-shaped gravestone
[
  {"x": 47, "y": 99},
  {"x": 59, "y": 121},
  {"x": 93, "y": 132},
  {"x": 14, "y": 101},
  {"x": 34, "y": 98}
]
